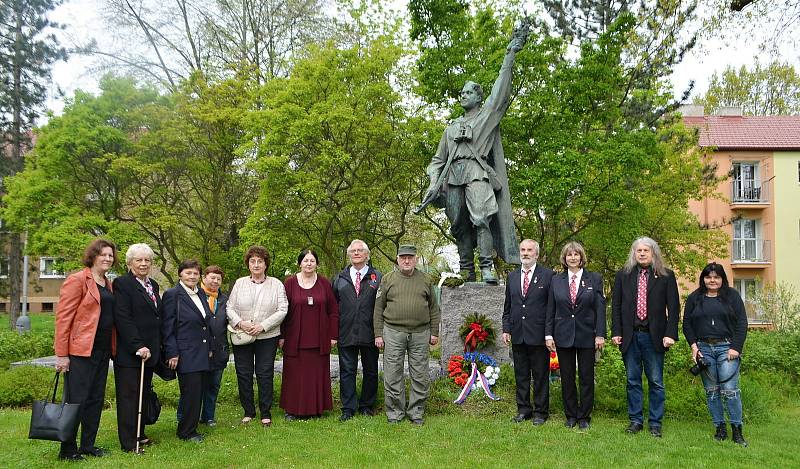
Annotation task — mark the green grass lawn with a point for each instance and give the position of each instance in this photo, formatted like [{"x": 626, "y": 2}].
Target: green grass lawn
[
  {"x": 40, "y": 322},
  {"x": 445, "y": 441}
]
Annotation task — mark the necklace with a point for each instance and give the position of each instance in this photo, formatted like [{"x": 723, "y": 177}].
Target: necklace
[
  {"x": 305, "y": 282},
  {"x": 258, "y": 281}
]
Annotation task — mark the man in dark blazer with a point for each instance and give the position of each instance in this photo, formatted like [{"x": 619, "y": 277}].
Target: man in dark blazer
[
  {"x": 188, "y": 344},
  {"x": 356, "y": 307},
  {"x": 524, "y": 315},
  {"x": 137, "y": 319},
  {"x": 645, "y": 310}
]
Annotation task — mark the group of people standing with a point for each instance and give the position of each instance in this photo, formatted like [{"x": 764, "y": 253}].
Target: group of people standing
[
  {"x": 186, "y": 330},
  {"x": 565, "y": 313}
]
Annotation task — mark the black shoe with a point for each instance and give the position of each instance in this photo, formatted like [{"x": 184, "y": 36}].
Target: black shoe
[
  {"x": 583, "y": 424},
  {"x": 539, "y": 421},
  {"x": 737, "y": 437},
  {"x": 71, "y": 457},
  {"x": 655, "y": 431},
  {"x": 290, "y": 417},
  {"x": 570, "y": 423},
  {"x": 419, "y": 422},
  {"x": 634, "y": 427},
  {"x": 346, "y": 415},
  {"x": 722, "y": 432},
  {"x": 367, "y": 412},
  {"x": 96, "y": 452},
  {"x": 520, "y": 418},
  {"x": 196, "y": 438},
  {"x": 145, "y": 441}
]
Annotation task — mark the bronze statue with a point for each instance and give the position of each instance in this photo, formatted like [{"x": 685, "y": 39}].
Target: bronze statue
[{"x": 468, "y": 174}]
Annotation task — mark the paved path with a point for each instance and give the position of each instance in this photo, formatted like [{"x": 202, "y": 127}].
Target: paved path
[{"x": 433, "y": 365}]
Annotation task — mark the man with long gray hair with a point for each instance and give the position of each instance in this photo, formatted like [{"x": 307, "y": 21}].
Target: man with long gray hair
[{"x": 645, "y": 310}]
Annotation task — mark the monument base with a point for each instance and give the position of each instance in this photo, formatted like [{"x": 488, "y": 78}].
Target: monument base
[{"x": 459, "y": 302}]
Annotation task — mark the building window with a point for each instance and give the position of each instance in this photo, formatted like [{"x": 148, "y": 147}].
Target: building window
[
  {"x": 747, "y": 287},
  {"x": 47, "y": 268},
  {"x": 3, "y": 266},
  {"x": 47, "y": 307},
  {"x": 747, "y": 243},
  {"x": 746, "y": 182}
]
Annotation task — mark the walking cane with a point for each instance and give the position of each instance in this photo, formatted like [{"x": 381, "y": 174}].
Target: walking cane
[{"x": 139, "y": 417}]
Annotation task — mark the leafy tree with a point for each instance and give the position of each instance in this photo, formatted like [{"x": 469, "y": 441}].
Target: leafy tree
[
  {"x": 774, "y": 22},
  {"x": 136, "y": 166},
  {"x": 339, "y": 157},
  {"x": 28, "y": 48},
  {"x": 773, "y": 89},
  {"x": 587, "y": 158}
]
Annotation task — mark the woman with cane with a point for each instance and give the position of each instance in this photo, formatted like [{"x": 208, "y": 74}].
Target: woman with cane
[{"x": 137, "y": 316}]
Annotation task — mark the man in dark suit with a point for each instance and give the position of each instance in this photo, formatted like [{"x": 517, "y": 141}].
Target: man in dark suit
[
  {"x": 355, "y": 289},
  {"x": 137, "y": 319},
  {"x": 644, "y": 323},
  {"x": 524, "y": 315}
]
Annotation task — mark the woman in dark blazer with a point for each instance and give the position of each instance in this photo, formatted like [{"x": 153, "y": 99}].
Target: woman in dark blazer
[
  {"x": 84, "y": 341},
  {"x": 137, "y": 317},
  {"x": 188, "y": 344},
  {"x": 575, "y": 328},
  {"x": 217, "y": 325}
]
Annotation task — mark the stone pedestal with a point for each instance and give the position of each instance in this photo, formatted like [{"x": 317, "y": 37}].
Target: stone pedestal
[{"x": 469, "y": 298}]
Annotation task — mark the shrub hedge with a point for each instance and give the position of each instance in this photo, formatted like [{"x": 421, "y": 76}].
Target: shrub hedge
[{"x": 770, "y": 374}]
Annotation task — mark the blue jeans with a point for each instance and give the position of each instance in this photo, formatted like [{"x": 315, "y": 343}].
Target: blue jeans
[
  {"x": 721, "y": 381},
  {"x": 209, "y": 399},
  {"x": 642, "y": 354}
]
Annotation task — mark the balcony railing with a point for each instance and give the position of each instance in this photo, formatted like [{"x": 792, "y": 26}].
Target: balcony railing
[
  {"x": 749, "y": 191},
  {"x": 750, "y": 250}
]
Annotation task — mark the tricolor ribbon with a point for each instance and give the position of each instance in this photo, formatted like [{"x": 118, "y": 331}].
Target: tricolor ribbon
[{"x": 482, "y": 382}]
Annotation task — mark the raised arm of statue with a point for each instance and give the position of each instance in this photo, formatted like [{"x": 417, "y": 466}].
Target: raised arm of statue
[{"x": 498, "y": 100}]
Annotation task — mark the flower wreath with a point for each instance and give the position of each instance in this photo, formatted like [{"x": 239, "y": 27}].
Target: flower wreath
[
  {"x": 465, "y": 372},
  {"x": 477, "y": 331}
]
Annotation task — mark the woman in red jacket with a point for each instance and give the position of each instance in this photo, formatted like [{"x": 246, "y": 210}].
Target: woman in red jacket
[
  {"x": 84, "y": 343},
  {"x": 309, "y": 331}
]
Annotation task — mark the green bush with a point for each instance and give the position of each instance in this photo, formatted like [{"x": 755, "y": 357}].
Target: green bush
[
  {"x": 15, "y": 347},
  {"x": 22, "y": 385},
  {"x": 775, "y": 352}
]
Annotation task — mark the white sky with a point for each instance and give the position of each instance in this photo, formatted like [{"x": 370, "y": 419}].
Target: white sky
[{"x": 83, "y": 20}]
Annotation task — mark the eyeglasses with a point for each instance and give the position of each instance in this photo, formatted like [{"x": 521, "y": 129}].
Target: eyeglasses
[{"x": 359, "y": 250}]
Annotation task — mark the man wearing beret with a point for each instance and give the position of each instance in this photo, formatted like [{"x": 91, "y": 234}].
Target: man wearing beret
[{"x": 406, "y": 321}]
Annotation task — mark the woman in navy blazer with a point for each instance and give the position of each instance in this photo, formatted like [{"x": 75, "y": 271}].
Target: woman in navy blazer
[
  {"x": 188, "y": 344},
  {"x": 575, "y": 328}
]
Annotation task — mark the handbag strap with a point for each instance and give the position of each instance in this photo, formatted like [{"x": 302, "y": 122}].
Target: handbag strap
[{"x": 55, "y": 386}]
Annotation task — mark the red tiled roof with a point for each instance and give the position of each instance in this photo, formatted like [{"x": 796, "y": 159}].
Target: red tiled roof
[{"x": 747, "y": 132}]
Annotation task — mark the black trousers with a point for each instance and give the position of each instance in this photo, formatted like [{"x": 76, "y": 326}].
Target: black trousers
[
  {"x": 126, "y": 380},
  {"x": 532, "y": 361},
  {"x": 85, "y": 384},
  {"x": 348, "y": 368},
  {"x": 566, "y": 361},
  {"x": 258, "y": 358},
  {"x": 191, "y": 401}
]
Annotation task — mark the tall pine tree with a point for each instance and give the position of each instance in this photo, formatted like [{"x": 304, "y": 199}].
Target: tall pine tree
[{"x": 28, "y": 49}]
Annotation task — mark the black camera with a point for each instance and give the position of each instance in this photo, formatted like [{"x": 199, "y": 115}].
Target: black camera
[{"x": 699, "y": 366}]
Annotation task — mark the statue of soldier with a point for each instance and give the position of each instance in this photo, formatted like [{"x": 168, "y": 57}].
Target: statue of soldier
[{"x": 468, "y": 174}]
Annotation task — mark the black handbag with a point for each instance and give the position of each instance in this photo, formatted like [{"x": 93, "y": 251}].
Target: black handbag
[
  {"x": 163, "y": 371},
  {"x": 151, "y": 408},
  {"x": 52, "y": 421}
]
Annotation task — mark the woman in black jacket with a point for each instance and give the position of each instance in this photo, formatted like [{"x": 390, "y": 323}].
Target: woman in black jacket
[
  {"x": 575, "y": 328},
  {"x": 188, "y": 344},
  {"x": 715, "y": 325},
  {"x": 137, "y": 317}
]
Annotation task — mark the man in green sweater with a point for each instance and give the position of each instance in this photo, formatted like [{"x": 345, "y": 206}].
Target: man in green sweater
[{"x": 406, "y": 320}]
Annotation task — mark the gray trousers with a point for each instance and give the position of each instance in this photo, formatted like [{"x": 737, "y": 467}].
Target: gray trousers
[{"x": 396, "y": 345}]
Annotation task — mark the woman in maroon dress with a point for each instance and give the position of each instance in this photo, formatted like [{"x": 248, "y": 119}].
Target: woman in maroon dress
[{"x": 309, "y": 331}]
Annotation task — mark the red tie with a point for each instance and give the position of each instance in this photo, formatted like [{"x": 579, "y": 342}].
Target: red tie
[
  {"x": 573, "y": 288},
  {"x": 641, "y": 299},
  {"x": 358, "y": 283},
  {"x": 525, "y": 283}
]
